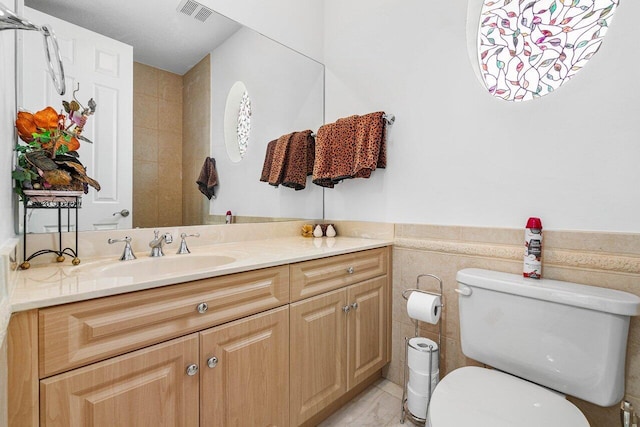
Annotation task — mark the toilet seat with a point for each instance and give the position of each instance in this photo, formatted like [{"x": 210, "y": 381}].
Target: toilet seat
[{"x": 480, "y": 397}]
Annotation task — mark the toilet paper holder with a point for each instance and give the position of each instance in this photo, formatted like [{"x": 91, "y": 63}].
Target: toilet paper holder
[
  {"x": 407, "y": 293},
  {"x": 405, "y": 413}
]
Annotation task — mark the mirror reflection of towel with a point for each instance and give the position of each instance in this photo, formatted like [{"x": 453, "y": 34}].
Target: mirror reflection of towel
[
  {"x": 300, "y": 158},
  {"x": 208, "y": 178},
  {"x": 268, "y": 160},
  {"x": 289, "y": 160}
]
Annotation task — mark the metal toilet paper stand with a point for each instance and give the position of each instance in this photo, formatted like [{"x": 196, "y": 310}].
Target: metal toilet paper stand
[{"x": 405, "y": 294}]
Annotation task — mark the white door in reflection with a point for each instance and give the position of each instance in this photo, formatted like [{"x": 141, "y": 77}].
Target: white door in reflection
[{"x": 104, "y": 69}]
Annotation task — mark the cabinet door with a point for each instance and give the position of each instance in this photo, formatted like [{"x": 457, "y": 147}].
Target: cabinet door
[
  {"x": 149, "y": 387},
  {"x": 248, "y": 382},
  {"x": 367, "y": 329},
  {"x": 318, "y": 354}
]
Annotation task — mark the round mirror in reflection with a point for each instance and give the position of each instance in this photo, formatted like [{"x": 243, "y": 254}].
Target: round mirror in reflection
[{"x": 237, "y": 121}]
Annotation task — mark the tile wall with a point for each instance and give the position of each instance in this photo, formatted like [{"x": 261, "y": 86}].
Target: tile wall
[
  {"x": 196, "y": 133},
  {"x": 600, "y": 259},
  {"x": 157, "y": 147}
]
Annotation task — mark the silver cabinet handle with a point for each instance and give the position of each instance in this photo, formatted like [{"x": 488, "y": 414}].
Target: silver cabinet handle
[
  {"x": 354, "y": 306},
  {"x": 346, "y": 308},
  {"x": 203, "y": 307},
  {"x": 212, "y": 362},
  {"x": 350, "y": 270},
  {"x": 192, "y": 370}
]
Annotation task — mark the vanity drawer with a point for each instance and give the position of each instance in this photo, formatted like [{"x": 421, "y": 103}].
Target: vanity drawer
[
  {"x": 79, "y": 333},
  {"x": 314, "y": 277}
]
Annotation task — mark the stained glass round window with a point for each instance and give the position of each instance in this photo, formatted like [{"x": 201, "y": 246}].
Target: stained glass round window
[
  {"x": 237, "y": 121},
  {"x": 528, "y": 49}
]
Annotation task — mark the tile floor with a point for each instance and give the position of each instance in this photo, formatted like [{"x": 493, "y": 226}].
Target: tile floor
[{"x": 377, "y": 406}]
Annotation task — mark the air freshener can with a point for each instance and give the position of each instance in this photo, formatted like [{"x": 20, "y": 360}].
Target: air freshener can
[{"x": 533, "y": 249}]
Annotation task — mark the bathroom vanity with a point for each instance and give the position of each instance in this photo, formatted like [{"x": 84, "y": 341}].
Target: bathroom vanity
[{"x": 281, "y": 337}]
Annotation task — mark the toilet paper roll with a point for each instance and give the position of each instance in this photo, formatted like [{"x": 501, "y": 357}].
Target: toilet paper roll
[
  {"x": 424, "y": 307},
  {"x": 420, "y": 382},
  {"x": 418, "y": 355},
  {"x": 416, "y": 403}
]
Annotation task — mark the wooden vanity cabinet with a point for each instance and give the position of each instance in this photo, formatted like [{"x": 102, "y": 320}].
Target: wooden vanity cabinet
[
  {"x": 252, "y": 358},
  {"x": 339, "y": 338}
]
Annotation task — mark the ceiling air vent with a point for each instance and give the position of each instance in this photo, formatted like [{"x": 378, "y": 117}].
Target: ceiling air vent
[{"x": 194, "y": 9}]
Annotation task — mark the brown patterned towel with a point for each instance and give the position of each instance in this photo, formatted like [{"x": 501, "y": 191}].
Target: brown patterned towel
[
  {"x": 279, "y": 159},
  {"x": 370, "y": 146},
  {"x": 335, "y": 151},
  {"x": 300, "y": 159},
  {"x": 208, "y": 178},
  {"x": 268, "y": 160}
]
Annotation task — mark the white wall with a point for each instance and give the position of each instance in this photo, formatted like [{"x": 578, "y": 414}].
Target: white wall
[
  {"x": 7, "y": 138},
  {"x": 295, "y": 23},
  {"x": 457, "y": 155},
  {"x": 286, "y": 96},
  {"x": 7, "y": 141}
]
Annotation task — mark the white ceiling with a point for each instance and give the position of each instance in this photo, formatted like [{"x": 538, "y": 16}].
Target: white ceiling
[{"x": 161, "y": 36}]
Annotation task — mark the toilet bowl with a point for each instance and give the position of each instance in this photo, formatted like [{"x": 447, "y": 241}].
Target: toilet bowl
[{"x": 481, "y": 397}]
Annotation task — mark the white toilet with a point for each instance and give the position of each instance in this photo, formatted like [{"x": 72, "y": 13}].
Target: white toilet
[{"x": 545, "y": 339}]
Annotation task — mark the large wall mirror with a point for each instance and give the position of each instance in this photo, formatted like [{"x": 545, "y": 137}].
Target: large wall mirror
[{"x": 160, "y": 73}]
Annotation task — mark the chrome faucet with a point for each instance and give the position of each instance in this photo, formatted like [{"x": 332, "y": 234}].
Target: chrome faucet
[
  {"x": 128, "y": 254},
  {"x": 158, "y": 241},
  {"x": 183, "y": 244}
]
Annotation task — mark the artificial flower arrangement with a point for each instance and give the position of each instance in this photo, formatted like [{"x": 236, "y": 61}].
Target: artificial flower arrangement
[{"x": 49, "y": 160}]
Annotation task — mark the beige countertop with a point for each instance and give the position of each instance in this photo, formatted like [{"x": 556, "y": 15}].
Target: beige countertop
[{"x": 48, "y": 285}]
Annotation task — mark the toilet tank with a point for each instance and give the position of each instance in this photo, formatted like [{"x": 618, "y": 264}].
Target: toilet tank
[{"x": 568, "y": 337}]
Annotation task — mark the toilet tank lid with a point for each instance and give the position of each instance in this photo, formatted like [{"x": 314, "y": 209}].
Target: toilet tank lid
[{"x": 574, "y": 294}]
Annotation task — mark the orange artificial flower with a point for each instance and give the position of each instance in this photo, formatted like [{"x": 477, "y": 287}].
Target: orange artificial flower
[
  {"x": 47, "y": 118},
  {"x": 72, "y": 145},
  {"x": 26, "y": 126}
]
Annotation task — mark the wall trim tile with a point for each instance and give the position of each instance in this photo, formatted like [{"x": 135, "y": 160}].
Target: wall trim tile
[{"x": 554, "y": 257}]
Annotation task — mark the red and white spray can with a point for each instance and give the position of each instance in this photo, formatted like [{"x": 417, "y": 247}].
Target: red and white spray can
[{"x": 533, "y": 249}]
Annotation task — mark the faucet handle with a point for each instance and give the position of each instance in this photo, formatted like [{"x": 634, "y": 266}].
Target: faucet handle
[
  {"x": 127, "y": 254},
  {"x": 168, "y": 238},
  {"x": 183, "y": 244}
]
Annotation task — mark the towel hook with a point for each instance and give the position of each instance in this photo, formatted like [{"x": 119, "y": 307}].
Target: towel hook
[{"x": 10, "y": 21}]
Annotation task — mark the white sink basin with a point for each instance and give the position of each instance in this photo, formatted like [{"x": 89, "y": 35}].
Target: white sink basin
[{"x": 160, "y": 266}]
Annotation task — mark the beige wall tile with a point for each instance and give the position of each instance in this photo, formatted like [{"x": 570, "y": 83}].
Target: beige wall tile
[
  {"x": 421, "y": 231},
  {"x": 170, "y": 87},
  {"x": 145, "y": 79},
  {"x": 145, "y": 111},
  {"x": 145, "y": 144},
  {"x": 157, "y": 147},
  {"x": 504, "y": 236},
  {"x": 170, "y": 116},
  {"x": 170, "y": 148},
  {"x": 147, "y": 177},
  {"x": 620, "y": 243},
  {"x": 196, "y": 139},
  {"x": 145, "y": 208}
]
